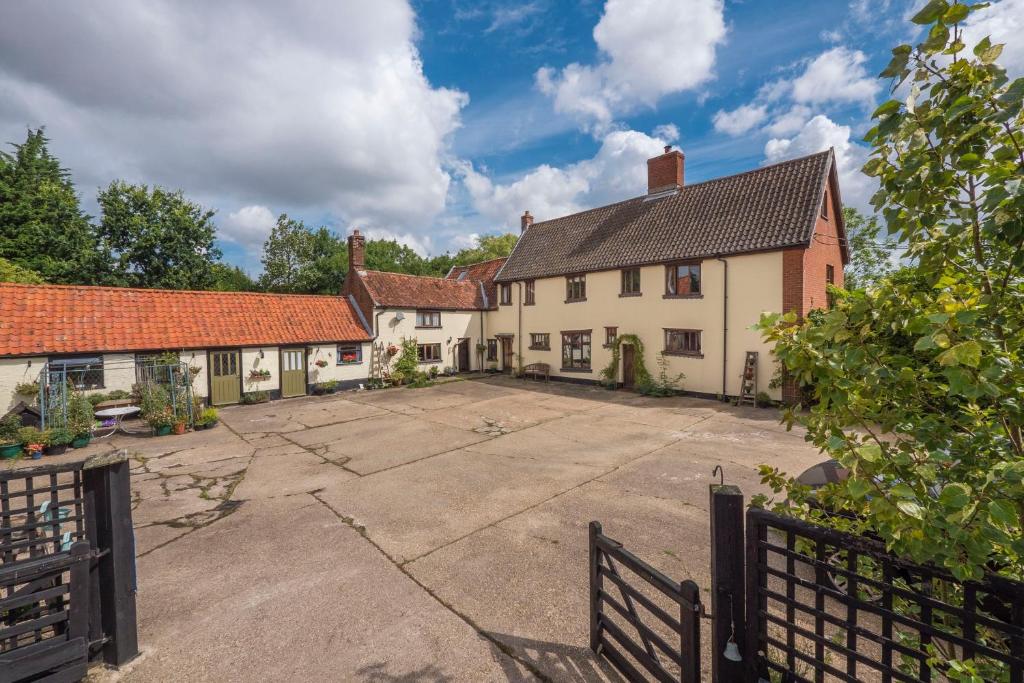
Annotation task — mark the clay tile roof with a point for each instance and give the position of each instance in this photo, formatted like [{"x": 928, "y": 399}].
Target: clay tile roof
[
  {"x": 483, "y": 272},
  {"x": 773, "y": 207},
  {"x": 45, "y": 319},
  {"x": 397, "y": 290}
]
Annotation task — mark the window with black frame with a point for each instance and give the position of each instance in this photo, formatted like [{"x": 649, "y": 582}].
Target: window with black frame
[
  {"x": 83, "y": 372},
  {"x": 576, "y": 350},
  {"x": 529, "y": 294},
  {"x": 576, "y": 288},
  {"x": 682, "y": 342},
  {"x": 429, "y": 353},
  {"x": 630, "y": 282},
  {"x": 540, "y": 341},
  {"x": 505, "y": 294},
  {"x": 492, "y": 349},
  {"x": 428, "y": 318}
]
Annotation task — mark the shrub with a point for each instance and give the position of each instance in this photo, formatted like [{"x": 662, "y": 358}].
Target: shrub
[
  {"x": 9, "y": 427},
  {"x": 763, "y": 400},
  {"x": 59, "y": 436},
  {"x": 31, "y": 435},
  {"x": 80, "y": 415},
  {"x": 206, "y": 417},
  {"x": 408, "y": 362},
  {"x": 251, "y": 397},
  {"x": 664, "y": 385}
]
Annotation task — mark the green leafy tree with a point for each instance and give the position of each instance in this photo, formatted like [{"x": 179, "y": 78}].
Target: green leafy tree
[
  {"x": 392, "y": 257},
  {"x": 42, "y": 227},
  {"x": 299, "y": 260},
  {"x": 918, "y": 385},
  {"x": 487, "y": 247},
  {"x": 227, "y": 278},
  {"x": 870, "y": 257},
  {"x": 11, "y": 272},
  {"x": 156, "y": 238}
]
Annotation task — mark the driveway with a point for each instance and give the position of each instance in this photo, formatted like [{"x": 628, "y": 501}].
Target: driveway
[{"x": 434, "y": 534}]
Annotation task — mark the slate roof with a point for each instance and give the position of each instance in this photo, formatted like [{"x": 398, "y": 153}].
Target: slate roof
[
  {"x": 769, "y": 208},
  {"x": 397, "y": 290},
  {"x": 484, "y": 272},
  {"x": 55, "y": 319}
]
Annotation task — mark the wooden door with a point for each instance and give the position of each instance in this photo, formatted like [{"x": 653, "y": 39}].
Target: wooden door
[
  {"x": 293, "y": 372},
  {"x": 225, "y": 377},
  {"x": 506, "y": 354},
  {"x": 464, "y": 356},
  {"x": 628, "y": 363}
]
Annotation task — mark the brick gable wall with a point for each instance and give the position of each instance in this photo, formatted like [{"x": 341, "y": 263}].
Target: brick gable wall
[{"x": 355, "y": 286}]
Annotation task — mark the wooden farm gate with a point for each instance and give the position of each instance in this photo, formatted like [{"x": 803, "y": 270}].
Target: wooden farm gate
[{"x": 67, "y": 573}]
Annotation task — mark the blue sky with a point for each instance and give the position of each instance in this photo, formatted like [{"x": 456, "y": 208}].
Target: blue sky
[{"x": 432, "y": 121}]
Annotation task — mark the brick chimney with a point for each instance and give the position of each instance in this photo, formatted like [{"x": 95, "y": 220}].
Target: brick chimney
[
  {"x": 525, "y": 221},
  {"x": 665, "y": 172},
  {"x": 356, "y": 251}
]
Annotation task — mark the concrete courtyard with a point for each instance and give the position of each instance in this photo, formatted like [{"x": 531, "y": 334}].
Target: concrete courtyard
[{"x": 434, "y": 534}]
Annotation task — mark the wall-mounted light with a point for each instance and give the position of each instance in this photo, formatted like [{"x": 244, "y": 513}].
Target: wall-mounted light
[
  {"x": 30, "y": 364},
  {"x": 261, "y": 353}
]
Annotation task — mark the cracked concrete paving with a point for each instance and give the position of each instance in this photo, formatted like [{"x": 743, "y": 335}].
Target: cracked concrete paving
[{"x": 434, "y": 534}]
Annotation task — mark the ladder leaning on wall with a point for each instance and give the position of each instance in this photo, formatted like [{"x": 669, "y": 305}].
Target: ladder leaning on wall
[{"x": 748, "y": 380}]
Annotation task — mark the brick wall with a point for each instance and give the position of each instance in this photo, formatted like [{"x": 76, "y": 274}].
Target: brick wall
[
  {"x": 355, "y": 286},
  {"x": 666, "y": 171}
]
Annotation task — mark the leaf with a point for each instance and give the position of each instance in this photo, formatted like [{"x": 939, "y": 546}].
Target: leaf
[
  {"x": 960, "y": 106},
  {"x": 955, "y": 14},
  {"x": 932, "y": 11},
  {"x": 955, "y": 496},
  {"x": 937, "y": 38},
  {"x": 871, "y": 452},
  {"x": 1002, "y": 512},
  {"x": 886, "y": 108},
  {"x": 858, "y": 488},
  {"x": 910, "y": 508},
  {"x": 965, "y": 353}
]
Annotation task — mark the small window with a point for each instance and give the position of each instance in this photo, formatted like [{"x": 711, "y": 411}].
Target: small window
[
  {"x": 350, "y": 354},
  {"x": 576, "y": 350},
  {"x": 429, "y": 353},
  {"x": 682, "y": 342},
  {"x": 529, "y": 293},
  {"x": 462, "y": 275},
  {"x": 506, "y": 294},
  {"x": 83, "y": 372},
  {"x": 492, "y": 349},
  {"x": 540, "y": 341},
  {"x": 428, "y": 319},
  {"x": 683, "y": 279},
  {"x": 610, "y": 334},
  {"x": 630, "y": 281},
  {"x": 824, "y": 206},
  {"x": 576, "y": 288},
  {"x": 830, "y": 280}
]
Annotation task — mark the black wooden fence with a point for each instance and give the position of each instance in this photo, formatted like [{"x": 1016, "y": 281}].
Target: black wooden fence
[
  {"x": 649, "y": 649},
  {"x": 796, "y": 602},
  {"x": 67, "y": 572}
]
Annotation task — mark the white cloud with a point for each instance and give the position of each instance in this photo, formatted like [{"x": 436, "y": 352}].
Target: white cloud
[
  {"x": 1004, "y": 23},
  {"x": 324, "y": 110},
  {"x": 739, "y": 120},
  {"x": 616, "y": 172},
  {"x": 249, "y": 226},
  {"x": 837, "y": 75},
  {"x": 819, "y": 134},
  {"x": 789, "y": 121},
  {"x": 669, "y": 132},
  {"x": 504, "y": 17},
  {"x": 649, "y": 48}
]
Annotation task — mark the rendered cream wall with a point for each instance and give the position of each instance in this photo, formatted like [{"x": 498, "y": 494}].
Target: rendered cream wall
[
  {"x": 14, "y": 371},
  {"x": 454, "y": 325},
  {"x": 755, "y": 285},
  {"x": 333, "y": 371},
  {"x": 251, "y": 361}
]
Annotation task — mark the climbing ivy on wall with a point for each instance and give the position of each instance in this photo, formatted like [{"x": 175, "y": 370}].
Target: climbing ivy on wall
[{"x": 641, "y": 376}]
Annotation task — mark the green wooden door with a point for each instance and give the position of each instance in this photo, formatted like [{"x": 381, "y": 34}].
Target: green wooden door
[
  {"x": 293, "y": 372},
  {"x": 225, "y": 381}
]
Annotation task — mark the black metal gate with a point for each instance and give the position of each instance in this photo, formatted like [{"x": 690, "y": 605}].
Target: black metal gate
[
  {"x": 650, "y": 649},
  {"x": 67, "y": 573}
]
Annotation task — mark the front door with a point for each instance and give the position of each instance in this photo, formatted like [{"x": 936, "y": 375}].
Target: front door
[
  {"x": 225, "y": 378},
  {"x": 293, "y": 372},
  {"x": 464, "y": 355},
  {"x": 628, "y": 363},
  {"x": 506, "y": 354}
]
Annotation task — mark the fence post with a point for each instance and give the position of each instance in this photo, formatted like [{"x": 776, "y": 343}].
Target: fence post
[
  {"x": 595, "y": 586},
  {"x": 108, "y": 501},
  {"x": 727, "y": 581}
]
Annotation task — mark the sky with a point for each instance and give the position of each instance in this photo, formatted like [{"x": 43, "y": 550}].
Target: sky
[{"x": 435, "y": 121}]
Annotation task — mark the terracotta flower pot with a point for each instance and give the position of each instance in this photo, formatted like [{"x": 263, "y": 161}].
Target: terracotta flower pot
[{"x": 179, "y": 428}]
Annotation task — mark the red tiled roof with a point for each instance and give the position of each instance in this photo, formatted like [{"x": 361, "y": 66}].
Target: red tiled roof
[
  {"x": 396, "y": 290},
  {"x": 484, "y": 272},
  {"x": 44, "y": 319}
]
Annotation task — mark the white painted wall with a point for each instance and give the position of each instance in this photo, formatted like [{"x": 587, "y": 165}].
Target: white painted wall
[
  {"x": 270, "y": 361},
  {"x": 14, "y": 371},
  {"x": 341, "y": 373}
]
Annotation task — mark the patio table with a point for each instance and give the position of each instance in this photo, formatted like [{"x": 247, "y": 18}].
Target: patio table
[{"x": 117, "y": 415}]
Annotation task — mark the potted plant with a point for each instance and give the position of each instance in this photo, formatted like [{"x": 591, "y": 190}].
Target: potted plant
[
  {"x": 433, "y": 372},
  {"x": 321, "y": 363},
  {"x": 392, "y": 349},
  {"x": 60, "y": 439},
  {"x": 33, "y": 440},
  {"x": 251, "y": 397},
  {"x": 179, "y": 427},
  {"x": 207, "y": 419},
  {"x": 28, "y": 390},
  {"x": 331, "y": 386},
  {"x": 259, "y": 375},
  {"x": 80, "y": 420},
  {"x": 10, "y": 446}
]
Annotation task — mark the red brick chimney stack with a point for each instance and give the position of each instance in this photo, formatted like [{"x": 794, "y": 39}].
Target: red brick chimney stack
[
  {"x": 525, "y": 222},
  {"x": 356, "y": 251},
  {"x": 665, "y": 172}
]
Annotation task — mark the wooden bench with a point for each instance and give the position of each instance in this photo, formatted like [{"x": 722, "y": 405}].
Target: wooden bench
[{"x": 538, "y": 370}]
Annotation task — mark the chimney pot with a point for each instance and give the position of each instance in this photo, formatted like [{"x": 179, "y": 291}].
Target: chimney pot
[
  {"x": 525, "y": 222},
  {"x": 665, "y": 172},
  {"x": 356, "y": 251}
]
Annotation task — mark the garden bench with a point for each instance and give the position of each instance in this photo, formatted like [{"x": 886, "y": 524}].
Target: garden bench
[{"x": 538, "y": 370}]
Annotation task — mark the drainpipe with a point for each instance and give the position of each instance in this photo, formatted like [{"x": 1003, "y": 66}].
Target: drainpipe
[
  {"x": 725, "y": 321},
  {"x": 376, "y": 324},
  {"x": 483, "y": 340},
  {"x": 519, "y": 287}
]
